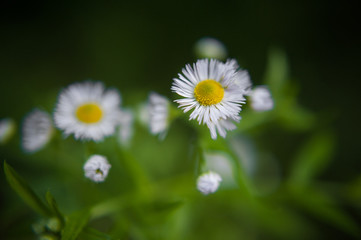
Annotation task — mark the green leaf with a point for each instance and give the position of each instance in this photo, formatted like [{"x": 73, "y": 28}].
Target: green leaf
[
  {"x": 89, "y": 233},
  {"x": 312, "y": 158},
  {"x": 25, "y": 192},
  {"x": 54, "y": 207},
  {"x": 277, "y": 72},
  {"x": 325, "y": 208},
  {"x": 75, "y": 224}
]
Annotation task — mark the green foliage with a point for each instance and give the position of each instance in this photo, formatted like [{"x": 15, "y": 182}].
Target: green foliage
[
  {"x": 24, "y": 191},
  {"x": 74, "y": 225}
]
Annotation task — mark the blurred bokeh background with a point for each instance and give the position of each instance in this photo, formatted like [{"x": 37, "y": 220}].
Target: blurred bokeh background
[{"x": 140, "y": 46}]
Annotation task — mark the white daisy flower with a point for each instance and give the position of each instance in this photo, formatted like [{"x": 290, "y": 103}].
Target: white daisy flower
[
  {"x": 158, "y": 111},
  {"x": 261, "y": 99},
  {"x": 214, "y": 90},
  {"x": 7, "y": 129},
  {"x": 208, "y": 182},
  {"x": 210, "y": 48},
  {"x": 88, "y": 111},
  {"x": 37, "y": 130},
  {"x": 97, "y": 168},
  {"x": 126, "y": 120}
]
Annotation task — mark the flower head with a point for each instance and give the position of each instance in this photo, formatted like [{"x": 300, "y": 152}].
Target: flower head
[
  {"x": 88, "y": 111},
  {"x": 208, "y": 182},
  {"x": 214, "y": 90},
  {"x": 158, "y": 111},
  {"x": 261, "y": 99},
  {"x": 7, "y": 129},
  {"x": 37, "y": 130},
  {"x": 96, "y": 168},
  {"x": 210, "y": 48}
]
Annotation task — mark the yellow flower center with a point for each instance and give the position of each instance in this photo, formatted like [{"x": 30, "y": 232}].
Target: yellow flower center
[
  {"x": 89, "y": 113},
  {"x": 208, "y": 92}
]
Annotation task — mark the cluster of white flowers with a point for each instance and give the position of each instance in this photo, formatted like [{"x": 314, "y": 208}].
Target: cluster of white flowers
[{"x": 213, "y": 91}]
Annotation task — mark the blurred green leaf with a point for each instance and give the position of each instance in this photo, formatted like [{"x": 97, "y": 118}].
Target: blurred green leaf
[
  {"x": 75, "y": 224},
  {"x": 277, "y": 72},
  {"x": 89, "y": 233},
  {"x": 324, "y": 207},
  {"x": 24, "y": 191},
  {"x": 54, "y": 207},
  {"x": 312, "y": 158}
]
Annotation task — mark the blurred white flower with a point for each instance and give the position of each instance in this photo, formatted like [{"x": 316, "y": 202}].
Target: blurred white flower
[
  {"x": 158, "y": 111},
  {"x": 7, "y": 129},
  {"x": 261, "y": 99},
  {"x": 210, "y": 48},
  {"x": 214, "y": 90},
  {"x": 96, "y": 168},
  {"x": 88, "y": 111},
  {"x": 37, "y": 130},
  {"x": 126, "y": 119},
  {"x": 208, "y": 182}
]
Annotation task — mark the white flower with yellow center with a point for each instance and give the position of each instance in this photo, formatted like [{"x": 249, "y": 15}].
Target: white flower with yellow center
[
  {"x": 88, "y": 111},
  {"x": 37, "y": 130},
  {"x": 214, "y": 90},
  {"x": 158, "y": 111},
  {"x": 7, "y": 129},
  {"x": 96, "y": 168},
  {"x": 208, "y": 182},
  {"x": 261, "y": 99}
]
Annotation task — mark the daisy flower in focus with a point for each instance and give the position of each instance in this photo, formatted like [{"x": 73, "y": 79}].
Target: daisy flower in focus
[
  {"x": 213, "y": 89},
  {"x": 126, "y": 119},
  {"x": 261, "y": 99},
  {"x": 158, "y": 112},
  {"x": 88, "y": 111},
  {"x": 208, "y": 182},
  {"x": 37, "y": 130},
  {"x": 7, "y": 129},
  {"x": 96, "y": 168}
]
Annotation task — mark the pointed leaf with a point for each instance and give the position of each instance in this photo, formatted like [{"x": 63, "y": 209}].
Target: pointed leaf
[
  {"x": 54, "y": 207},
  {"x": 24, "y": 191}
]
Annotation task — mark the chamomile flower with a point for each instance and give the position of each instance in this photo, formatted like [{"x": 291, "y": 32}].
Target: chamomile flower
[
  {"x": 208, "y": 182},
  {"x": 158, "y": 111},
  {"x": 210, "y": 48},
  {"x": 88, "y": 111},
  {"x": 214, "y": 90},
  {"x": 261, "y": 99},
  {"x": 96, "y": 168},
  {"x": 7, "y": 129},
  {"x": 126, "y": 119},
  {"x": 37, "y": 130}
]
